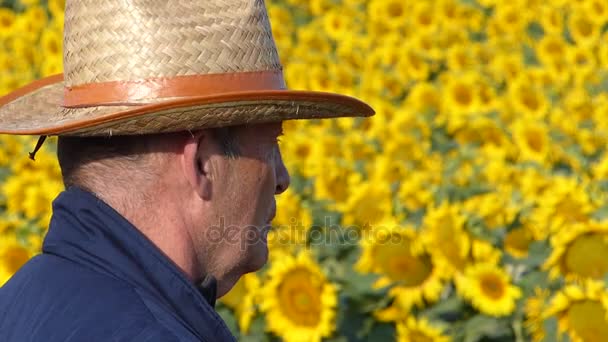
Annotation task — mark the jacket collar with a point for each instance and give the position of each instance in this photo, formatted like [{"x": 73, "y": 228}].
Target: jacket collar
[{"x": 87, "y": 231}]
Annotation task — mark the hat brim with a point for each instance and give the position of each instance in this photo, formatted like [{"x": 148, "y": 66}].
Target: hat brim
[{"x": 37, "y": 110}]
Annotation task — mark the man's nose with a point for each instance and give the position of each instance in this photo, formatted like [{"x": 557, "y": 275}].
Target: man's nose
[{"x": 282, "y": 174}]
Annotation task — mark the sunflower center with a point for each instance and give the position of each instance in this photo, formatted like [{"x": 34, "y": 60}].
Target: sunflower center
[
  {"x": 395, "y": 9},
  {"x": 518, "y": 240},
  {"x": 400, "y": 265},
  {"x": 534, "y": 140},
  {"x": 492, "y": 286},
  {"x": 5, "y": 21},
  {"x": 462, "y": 95},
  {"x": 587, "y": 319},
  {"x": 300, "y": 298},
  {"x": 418, "y": 336},
  {"x": 587, "y": 256},
  {"x": 303, "y": 150},
  {"x": 530, "y": 101},
  {"x": 584, "y": 27}
]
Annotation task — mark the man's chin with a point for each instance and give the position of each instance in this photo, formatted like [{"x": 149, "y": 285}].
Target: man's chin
[{"x": 258, "y": 257}]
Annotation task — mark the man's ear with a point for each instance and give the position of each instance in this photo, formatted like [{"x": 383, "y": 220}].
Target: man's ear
[{"x": 196, "y": 163}]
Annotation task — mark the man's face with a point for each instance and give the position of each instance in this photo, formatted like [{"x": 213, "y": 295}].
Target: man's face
[{"x": 243, "y": 200}]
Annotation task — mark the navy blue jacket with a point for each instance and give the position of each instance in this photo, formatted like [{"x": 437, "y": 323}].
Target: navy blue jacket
[{"x": 100, "y": 279}]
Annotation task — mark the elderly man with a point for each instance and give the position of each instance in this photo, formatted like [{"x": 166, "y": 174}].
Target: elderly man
[{"x": 168, "y": 115}]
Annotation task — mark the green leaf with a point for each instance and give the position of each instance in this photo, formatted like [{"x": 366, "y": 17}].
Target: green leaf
[
  {"x": 229, "y": 318},
  {"x": 535, "y": 30},
  {"x": 538, "y": 252},
  {"x": 381, "y": 332},
  {"x": 532, "y": 280},
  {"x": 481, "y": 326},
  {"x": 446, "y": 310},
  {"x": 550, "y": 328}
]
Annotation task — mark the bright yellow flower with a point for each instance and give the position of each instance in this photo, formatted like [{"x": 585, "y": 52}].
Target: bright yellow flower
[
  {"x": 397, "y": 255},
  {"x": 415, "y": 191},
  {"x": 509, "y": 18},
  {"x": 423, "y": 18},
  {"x": 527, "y": 99},
  {"x": 444, "y": 237},
  {"x": 298, "y": 300},
  {"x": 597, "y": 10},
  {"x": 532, "y": 140},
  {"x": 551, "y": 48},
  {"x": 319, "y": 7},
  {"x": 460, "y": 100},
  {"x": 367, "y": 204},
  {"x": 495, "y": 208},
  {"x": 393, "y": 13},
  {"x": 338, "y": 24},
  {"x": 583, "y": 29},
  {"x": 413, "y": 330},
  {"x": 552, "y": 19},
  {"x": 51, "y": 42},
  {"x": 489, "y": 289},
  {"x": 7, "y": 20},
  {"x": 242, "y": 299},
  {"x": 424, "y": 97},
  {"x": 581, "y": 311},
  {"x": 57, "y": 8},
  {"x": 564, "y": 202},
  {"x": 584, "y": 63},
  {"x": 413, "y": 66},
  {"x": 579, "y": 252}
]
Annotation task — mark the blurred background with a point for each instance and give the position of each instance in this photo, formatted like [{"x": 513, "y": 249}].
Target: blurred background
[{"x": 472, "y": 207}]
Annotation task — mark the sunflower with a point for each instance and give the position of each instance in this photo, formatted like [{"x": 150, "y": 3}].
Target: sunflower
[
  {"x": 583, "y": 29},
  {"x": 527, "y": 99},
  {"x": 460, "y": 99},
  {"x": 488, "y": 288},
  {"x": 12, "y": 256},
  {"x": 564, "y": 202},
  {"x": 551, "y": 48},
  {"x": 552, "y": 19},
  {"x": 445, "y": 238},
  {"x": 581, "y": 311},
  {"x": 368, "y": 204},
  {"x": 532, "y": 140},
  {"x": 418, "y": 330},
  {"x": 7, "y": 20},
  {"x": 299, "y": 302},
  {"x": 397, "y": 255},
  {"x": 393, "y": 13},
  {"x": 242, "y": 299},
  {"x": 579, "y": 252}
]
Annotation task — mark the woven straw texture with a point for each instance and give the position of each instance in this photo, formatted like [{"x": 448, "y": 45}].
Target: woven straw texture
[
  {"x": 124, "y": 40},
  {"x": 139, "y": 40}
]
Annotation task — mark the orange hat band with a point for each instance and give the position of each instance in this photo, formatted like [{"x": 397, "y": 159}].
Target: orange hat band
[{"x": 126, "y": 92}]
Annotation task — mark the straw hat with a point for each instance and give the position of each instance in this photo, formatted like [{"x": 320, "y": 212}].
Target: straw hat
[{"x": 150, "y": 66}]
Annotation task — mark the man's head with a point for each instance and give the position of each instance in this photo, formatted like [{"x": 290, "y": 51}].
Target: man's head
[{"x": 205, "y": 198}]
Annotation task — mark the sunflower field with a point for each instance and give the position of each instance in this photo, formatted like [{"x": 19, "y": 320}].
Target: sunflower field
[{"x": 471, "y": 207}]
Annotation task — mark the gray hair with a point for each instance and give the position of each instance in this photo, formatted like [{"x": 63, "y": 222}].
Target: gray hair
[{"x": 84, "y": 161}]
